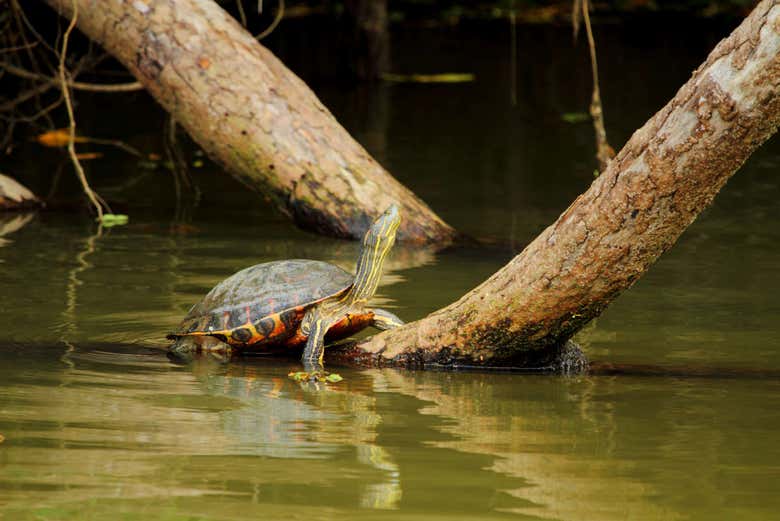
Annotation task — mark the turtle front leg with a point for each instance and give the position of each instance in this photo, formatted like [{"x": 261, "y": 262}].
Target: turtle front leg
[
  {"x": 315, "y": 324},
  {"x": 385, "y": 320}
]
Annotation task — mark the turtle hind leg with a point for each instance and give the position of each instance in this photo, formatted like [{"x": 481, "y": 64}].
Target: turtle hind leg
[{"x": 385, "y": 320}]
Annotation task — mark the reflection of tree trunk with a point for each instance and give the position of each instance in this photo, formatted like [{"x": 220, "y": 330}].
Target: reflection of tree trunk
[
  {"x": 656, "y": 186},
  {"x": 370, "y": 43},
  {"x": 253, "y": 115}
]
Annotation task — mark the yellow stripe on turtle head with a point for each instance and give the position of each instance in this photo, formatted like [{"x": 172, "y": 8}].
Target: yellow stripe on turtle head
[{"x": 377, "y": 242}]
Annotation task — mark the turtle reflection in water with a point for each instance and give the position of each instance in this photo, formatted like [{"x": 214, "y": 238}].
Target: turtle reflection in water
[{"x": 285, "y": 304}]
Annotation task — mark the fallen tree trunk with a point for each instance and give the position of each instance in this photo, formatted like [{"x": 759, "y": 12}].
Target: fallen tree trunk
[
  {"x": 667, "y": 173},
  {"x": 252, "y": 115}
]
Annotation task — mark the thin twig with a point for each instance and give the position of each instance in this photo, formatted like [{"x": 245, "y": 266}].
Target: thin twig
[
  {"x": 604, "y": 152},
  {"x": 31, "y": 93},
  {"x": 93, "y": 197},
  {"x": 41, "y": 113},
  {"x": 576, "y": 6},
  {"x": 18, "y": 11},
  {"x": 78, "y": 85},
  {"x": 21, "y": 21},
  {"x": 18, "y": 48},
  {"x": 115, "y": 143},
  {"x": 115, "y": 87},
  {"x": 277, "y": 19},
  {"x": 241, "y": 12},
  {"x": 513, "y": 55}
]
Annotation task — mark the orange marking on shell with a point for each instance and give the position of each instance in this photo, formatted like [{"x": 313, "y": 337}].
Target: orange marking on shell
[
  {"x": 278, "y": 326},
  {"x": 204, "y": 63},
  {"x": 256, "y": 336},
  {"x": 248, "y": 315},
  {"x": 225, "y": 319}
]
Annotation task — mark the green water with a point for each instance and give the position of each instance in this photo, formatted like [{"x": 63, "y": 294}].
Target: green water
[{"x": 99, "y": 424}]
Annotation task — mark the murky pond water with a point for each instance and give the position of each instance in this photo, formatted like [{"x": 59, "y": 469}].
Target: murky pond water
[{"x": 99, "y": 424}]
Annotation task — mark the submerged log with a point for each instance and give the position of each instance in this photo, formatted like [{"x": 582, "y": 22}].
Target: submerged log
[
  {"x": 252, "y": 115},
  {"x": 666, "y": 174}
]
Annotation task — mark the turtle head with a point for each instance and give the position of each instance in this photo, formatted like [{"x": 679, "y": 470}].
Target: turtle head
[
  {"x": 381, "y": 234},
  {"x": 377, "y": 242}
]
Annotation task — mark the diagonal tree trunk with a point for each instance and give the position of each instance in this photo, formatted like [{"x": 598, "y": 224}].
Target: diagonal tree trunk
[
  {"x": 667, "y": 173},
  {"x": 251, "y": 114}
]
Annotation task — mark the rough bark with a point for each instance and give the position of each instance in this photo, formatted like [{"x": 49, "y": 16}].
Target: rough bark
[
  {"x": 667, "y": 173},
  {"x": 252, "y": 115}
]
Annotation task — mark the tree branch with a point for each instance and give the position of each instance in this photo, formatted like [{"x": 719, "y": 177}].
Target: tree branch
[
  {"x": 91, "y": 195},
  {"x": 667, "y": 173},
  {"x": 78, "y": 85}
]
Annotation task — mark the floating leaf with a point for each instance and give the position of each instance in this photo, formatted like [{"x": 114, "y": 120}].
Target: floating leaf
[
  {"x": 299, "y": 376},
  {"x": 575, "y": 117},
  {"x": 2, "y": 438},
  {"x": 114, "y": 219},
  {"x": 448, "y": 77},
  {"x": 314, "y": 376}
]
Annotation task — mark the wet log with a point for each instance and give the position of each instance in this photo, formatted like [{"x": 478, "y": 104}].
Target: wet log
[
  {"x": 252, "y": 115},
  {"x": 666, "y": 174}
]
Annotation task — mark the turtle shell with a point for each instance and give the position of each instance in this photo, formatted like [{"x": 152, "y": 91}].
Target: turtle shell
[{"x": 265, "y": 303}]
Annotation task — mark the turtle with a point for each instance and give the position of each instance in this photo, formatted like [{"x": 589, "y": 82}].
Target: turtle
[{"x": 285, "y": 304}]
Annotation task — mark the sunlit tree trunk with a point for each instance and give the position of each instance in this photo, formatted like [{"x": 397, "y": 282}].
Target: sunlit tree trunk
[
  {"x": 252, "y": 115},
  {"x": 667, "y": 173}
]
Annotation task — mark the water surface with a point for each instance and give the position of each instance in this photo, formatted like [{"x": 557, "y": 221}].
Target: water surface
[{"x": 99, "y": 424}]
